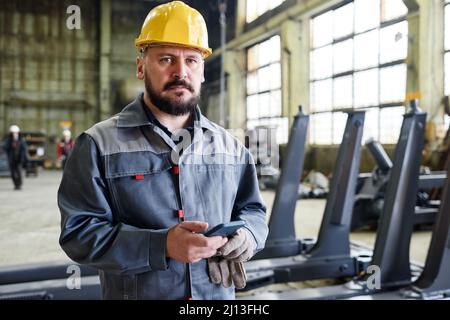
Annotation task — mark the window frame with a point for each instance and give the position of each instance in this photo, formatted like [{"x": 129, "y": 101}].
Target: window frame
[
  {"x": 354, "y": 70},
  {"x": 282, "y": 135},
  {"x": 255, "y": 14}
]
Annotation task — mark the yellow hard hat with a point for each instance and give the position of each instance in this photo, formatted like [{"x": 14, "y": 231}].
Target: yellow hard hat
[{"x": 175, "y": 23}]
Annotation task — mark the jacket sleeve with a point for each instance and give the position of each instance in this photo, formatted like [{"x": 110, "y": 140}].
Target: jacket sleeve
[
  {"x": 249, "y": 205},
  {"x": 23, "y": 153},
  {"x": 58, "y": 150},
  {"x": 89, "y": 232}
]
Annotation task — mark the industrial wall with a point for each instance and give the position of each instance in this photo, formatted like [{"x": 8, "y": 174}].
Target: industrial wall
[
  {"x": 48, "y": 72},
  {"x": 291, "y": 21},
  {"x": 53, "y": 76}
]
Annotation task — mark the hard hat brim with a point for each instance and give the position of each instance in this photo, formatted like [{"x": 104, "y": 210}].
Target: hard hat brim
[{"x": 206, "y": 52}]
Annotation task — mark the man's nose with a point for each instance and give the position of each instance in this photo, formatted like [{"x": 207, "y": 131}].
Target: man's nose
[{"x": 180, "y": 70}]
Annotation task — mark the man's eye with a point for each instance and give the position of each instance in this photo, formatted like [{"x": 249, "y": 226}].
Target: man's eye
[
  {"x": 166, "y": 60},
  {"x": 191, "y": 61}
]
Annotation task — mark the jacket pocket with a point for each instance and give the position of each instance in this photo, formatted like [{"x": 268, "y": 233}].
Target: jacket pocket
[
  {"x": 142, "y": 188},
  {"x": 218, "y": 185},
  {"x": 134, "y": 163}
]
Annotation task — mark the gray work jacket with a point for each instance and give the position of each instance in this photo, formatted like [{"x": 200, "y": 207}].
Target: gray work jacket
[{"x": 117, "y": 201}]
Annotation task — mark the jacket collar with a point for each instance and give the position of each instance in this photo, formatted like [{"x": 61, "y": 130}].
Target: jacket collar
[{"x": 133, "y": 115}]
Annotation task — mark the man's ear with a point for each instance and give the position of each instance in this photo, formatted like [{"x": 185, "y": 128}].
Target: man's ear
[{"x": 140, "y": 64}]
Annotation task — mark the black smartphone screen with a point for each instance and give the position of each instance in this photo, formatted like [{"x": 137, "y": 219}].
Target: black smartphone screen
[{"x": 225, "y": 229}]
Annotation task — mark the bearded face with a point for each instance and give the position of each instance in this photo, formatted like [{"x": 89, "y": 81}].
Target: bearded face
[
  {"x": 172, "y": 77},
  {"x": 176, "y": 104}
]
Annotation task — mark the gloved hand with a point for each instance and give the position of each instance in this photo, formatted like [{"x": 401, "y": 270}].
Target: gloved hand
[
  {"x": 226, "y": 266},
  {"x": 240, "y": 246},
  {"x": 226, "y": 272}
]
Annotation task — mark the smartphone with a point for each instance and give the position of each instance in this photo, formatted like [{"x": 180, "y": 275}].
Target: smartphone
[{"x": 225, "y": 229}]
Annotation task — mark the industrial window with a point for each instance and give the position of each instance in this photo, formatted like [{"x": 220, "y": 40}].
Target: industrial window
[
  {"x": 255, "y": 8},
  {"x": 447, "y": 54},
  {"x": 357, "y": 61},
  {"x": 264, "y": 88}
]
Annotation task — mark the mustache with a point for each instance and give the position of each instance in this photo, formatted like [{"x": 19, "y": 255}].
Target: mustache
[{"x": 181, "y": 83}]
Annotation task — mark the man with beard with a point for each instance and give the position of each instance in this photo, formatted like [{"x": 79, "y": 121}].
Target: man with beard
[{"x": 141, "y": 188}]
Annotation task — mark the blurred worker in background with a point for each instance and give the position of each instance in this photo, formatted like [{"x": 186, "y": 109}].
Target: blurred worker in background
[
  {"x": 64, "y": 147},
  {"x": 16, "y": 149},
  {"x": 134, "y": 204}
]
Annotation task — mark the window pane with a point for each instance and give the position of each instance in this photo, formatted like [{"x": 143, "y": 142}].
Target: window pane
[
  {"x": 264, "y": 53},
  {"x": 394, "y": 42},
  {"x": 251, "y": 124},
  {"x": 281, "y": 124},
  {"x": 252, "y": 107},
  {"x": 339, "y": 121},
  {"x": 252, "y": 83},
  {"x": 275, "y": 103},
  {"x": 392, "y": 83},
  {"x": 262, "y": 6},
  {"x": 321, "y": 63},
  {"x": 343, "y": 92},
  {"x": 366, "y": 50},
  {"x": 343, "y": 21},
  {"x": 366, "y": 88},
  {"x": 393, "y": 9},
  {"x": 252, "y": 58},
  {"x": 274, "y": 48},
  {"x": 251, "y": 13},
  {"x": 264, "y": 105},
  {"x": 367, "y": 14},
  {"x": 321, "y": 95},
  {"x": 264, "y": 79},
  {"x": 343, "y": 56},
  {"x": 322, "y": 29},
  {"x": 275, "y": 3},
  {"x": 263, "y": 76},
  {"x": 371, "y": 124},
  {"x": 447, "y": 27},
  {"x": 321, "y": 128},
  {"x": 447, "y": 73},
  {"x": 390, "y": 124},
  {"x": 275, "y": 79}
]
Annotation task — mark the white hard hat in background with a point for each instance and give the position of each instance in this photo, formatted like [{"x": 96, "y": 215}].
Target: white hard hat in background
[
  {"x": 14, "y": 129},
  {"x": 66, "y": 133}
]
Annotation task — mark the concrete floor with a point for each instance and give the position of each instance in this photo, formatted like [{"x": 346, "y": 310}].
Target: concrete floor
[{"x": 30, "y": 219}]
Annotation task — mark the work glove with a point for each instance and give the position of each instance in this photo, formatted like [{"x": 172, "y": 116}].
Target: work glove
[
  {"x": 226, "y": 272},
  {"x": 240, "y": 247},
  {"x": 227, "y": 267}
]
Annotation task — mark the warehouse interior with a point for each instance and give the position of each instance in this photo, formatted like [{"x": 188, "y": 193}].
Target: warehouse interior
[{"x": 310, "y": 65}]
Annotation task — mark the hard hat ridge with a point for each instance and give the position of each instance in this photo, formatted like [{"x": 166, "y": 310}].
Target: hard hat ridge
[{"x": 174, "y": 23}]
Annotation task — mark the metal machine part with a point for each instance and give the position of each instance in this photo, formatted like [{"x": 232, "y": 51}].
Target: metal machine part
[
  {"x": 391, "y": 252},
  {"x": 371, "y": 191},
  {"x": 330, "y": 256}
]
